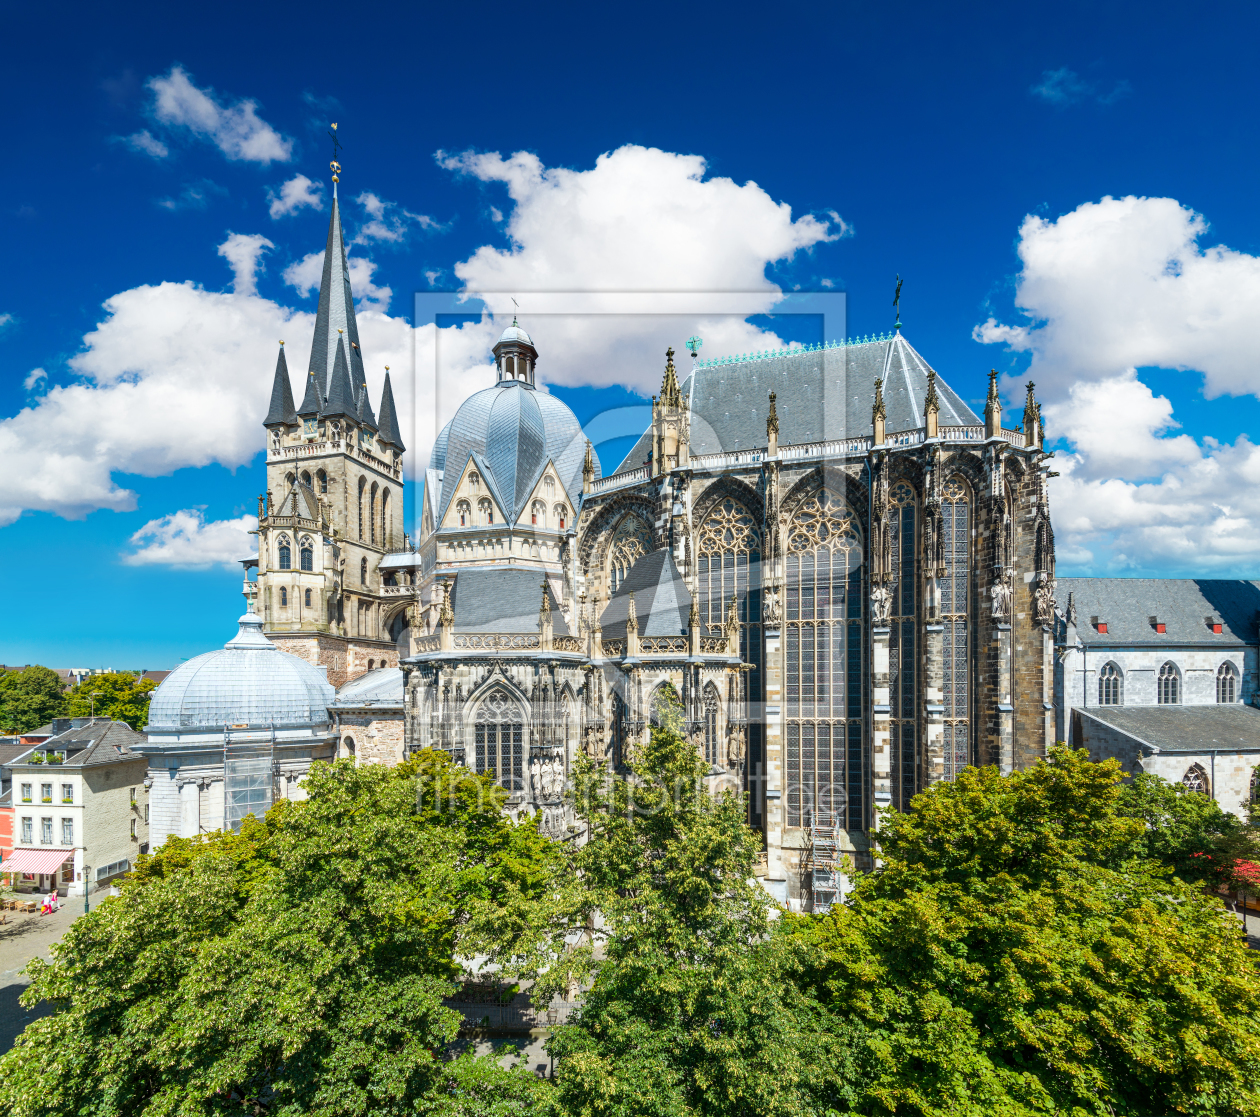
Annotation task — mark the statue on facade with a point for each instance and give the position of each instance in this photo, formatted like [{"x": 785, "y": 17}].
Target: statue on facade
[
  {"x": 1043, "y": 601},
  {"x": 881, "y": 603},
  {"x": 772, "y": 610},
  {"x": 1002, "y": 594}
]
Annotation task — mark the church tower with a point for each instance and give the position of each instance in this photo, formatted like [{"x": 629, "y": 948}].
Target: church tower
[{"x": 333, "y": 508}]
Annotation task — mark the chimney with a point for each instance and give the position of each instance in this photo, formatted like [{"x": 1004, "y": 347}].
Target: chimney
[{"x": 1158, "y": 625}]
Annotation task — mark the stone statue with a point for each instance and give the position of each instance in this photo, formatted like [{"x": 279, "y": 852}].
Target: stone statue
[
  {"x": 881, "y": 603},
  {"x": 1002, "y": 594},
  {"x": 772, "y": 611},
  {"x": 1043, "y": 601}
]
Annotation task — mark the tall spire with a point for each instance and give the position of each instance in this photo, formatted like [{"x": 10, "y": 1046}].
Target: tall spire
[
  {"x": 366, "y": 418},
  {"x": 312, "y": 400},
  {"x": 281, "y": 409},
  {"x": 389, "y": 431},
  {"x": 340, "y": 401},
  {"x": 993, "y": 408},
  {"x": 334, "y": 321},
  {"x": 670, "y": 394}
]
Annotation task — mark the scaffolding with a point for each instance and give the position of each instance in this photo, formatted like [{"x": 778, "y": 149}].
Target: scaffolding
[
  {"x": 248, "y": 779},
  {"x": 824, "y": 862}
]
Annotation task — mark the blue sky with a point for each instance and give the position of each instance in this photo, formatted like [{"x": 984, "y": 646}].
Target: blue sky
[{"x": 1065, "y": 188}]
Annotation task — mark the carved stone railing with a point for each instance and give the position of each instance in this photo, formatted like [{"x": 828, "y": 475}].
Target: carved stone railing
[
  {"x": 1015, "y": 438},
  {"x": 970, "y": 433},
  {"x": 713, "y": 647},
  {"x": 301, "y": 450},
  {"x": 428, "y": 644},
  {"x": 731, "y": 459},
  {"x": 614, "y": 647},
  {"x": 905, "y": 438},
  {"x": 567, "y": 644},
  {"x": 663, "y": 645},
  {"x": 836, "y": 448},
  {"x": 399, "y": 591},
  {"x": 618, "y": 480},
  {"x": 492, "y": 641}
]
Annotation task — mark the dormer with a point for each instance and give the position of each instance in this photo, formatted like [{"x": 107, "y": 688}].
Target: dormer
[
  {"x": 1158, "y": 625},
  {"x": 1100, "y": 626},
  {"x": 515, "y": 357},
  {"x": 548, "y": 507}
]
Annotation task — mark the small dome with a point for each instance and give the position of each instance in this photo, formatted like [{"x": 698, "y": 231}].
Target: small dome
[
  {"x": 248, "y": 683},
  {"x": 515, "y": 333}
]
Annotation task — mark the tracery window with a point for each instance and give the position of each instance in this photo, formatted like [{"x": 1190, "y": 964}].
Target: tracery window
[
  {"x": 538, "y": 513},
  {"x": 1227, "y": 683},
  {"x": 1196, "y": 779},
  {"x": 710, "y": 724},
  {"x": 631, "y": 541},
  {"x": 562, "y": 515},
  {"x": 284, "y": 596},
  {"x": 549, "y": 486},
  {"x": 465, "y": 512},
  {"x": 387, "y": 520},
  {"x": 307, "y": 555},
  {"x": 824, "y": 662},
  {"x": 1168, "y": 685},
  {"x": 362, "y": 486},
  {"x": 285, "y": 554},
  {"x": 902, "y": 652},
  {"x": 372, "y": 514},
  {"x": 486, "y": 511},
  {"x": 728, "y": 565},
  {"x": 322, "y": 478},
  {"x": 474, "y": 480},
  {"x": 955, "y": 611},
  {"x": 1110, "y": 686},
  {"x": 306, "y": 479},
  {"x": 499, "y": 741},
  {"x": 308, "y": 599}
]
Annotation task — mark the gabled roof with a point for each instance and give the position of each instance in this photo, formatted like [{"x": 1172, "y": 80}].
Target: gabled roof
[
  {"x": 503, "y": 600},
  {"x": 389, "y": 431},
  {"x": 662, "y": 601},
  {"x": 281, "y": 409},
  {"x": 101, "y": 742},
  {"x": 382, "y": 687},
  {"x": 1184, "y": 729},
  {"x": 1182, "y": 605},
  {"x": 335, "y": 317}
]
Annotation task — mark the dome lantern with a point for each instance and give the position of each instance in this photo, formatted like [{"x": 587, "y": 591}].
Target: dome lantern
[{"x": 515, "y": 356}]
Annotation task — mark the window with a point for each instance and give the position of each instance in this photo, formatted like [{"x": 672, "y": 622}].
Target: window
[
  {"x": 710, "y": 724},
  {"x": 307, "y": 555},
  {"x": 362, "y": 486},
  {"x": 322, "y": 478},
  {"x": 955, "y": 607},
  {"x": 474, "y": 480},
  {"x": 549, "y": 486},
  {"x": 486, "y": 509},
  {"x": 26, "y": 793},
  {"x": 1196, "y": 779},
  {"x": 509, "y": 365},
  {"x": 823, "y": 657},
  {"x": 902, "y": 646},
  {"x": 1227, "y": 683},
  {"x": 45, "y": 831},
  {"x": 372, "y": 514},
  {"x": 387, "y": 520},
  {"x": 306, "y": 477},
  {"x": 284, "y": 597},
  {"x": 146, "y": 812},
  {"x": 363, "y": 572},
  {"x": 499, "y": 737},
  {"x": 45, "y": 792},
  {"x": 286, "y": 554},
  {"x": 133, "y": 796},
  {"x": 349, "y": 743},
  {"x": 631, "y": 541},
  {"x": 67, "y": 831},
  {"x": 538, "y": 513},
  {"x": 133, "y": 827},
  {"x": 562, "y": 515},
  {"x": 1110, "y": 686},
  {"x": 27, "y": 835},
  {"x": 465, "y": 512},
  {"x": 1168, "y": 685},
  {"x": 307, "y": 599},
  {"x": 67, "y": 793}
]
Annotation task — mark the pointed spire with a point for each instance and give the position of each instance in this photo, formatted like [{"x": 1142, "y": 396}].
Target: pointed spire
[
  {"x": 931, "y": 407},
  {"x": 1032, "y": 417},
  {"x": 310, "y": 401},
  {"x": 281, "y": 409},
  {"x": 772, "y": 420},
  {"x": 588, "y": 468},
  {"x": 671, "y": 396},
  {"x": 879, "y": 414},
  {"x": 389, "y": 431},
  {"x": 364, "y": 407},
  {"x": 340, "y": 400},
  {"x": 993, "y": 408},
  {"x": 335, "y": 316}
]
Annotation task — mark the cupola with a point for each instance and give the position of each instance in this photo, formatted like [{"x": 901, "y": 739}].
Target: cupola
[{"x": 515, "y": 356}]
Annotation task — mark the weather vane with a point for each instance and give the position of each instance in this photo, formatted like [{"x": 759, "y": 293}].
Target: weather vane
[
  {"x": 897, "y": 303},
  {"x": 694, "y": 343},
  {"x": 515, "y": 310},
  {"x": 335, "y": 164}
]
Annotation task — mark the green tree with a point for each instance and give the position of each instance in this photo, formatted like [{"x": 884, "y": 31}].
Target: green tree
[
  {"x": 118, "y": 694},
  {"x": 695, "y": 1007},
  {"x": 297, "y": 967},
  {"x": 29, "y": 699},
  {"x": 1010, "y": 957}
]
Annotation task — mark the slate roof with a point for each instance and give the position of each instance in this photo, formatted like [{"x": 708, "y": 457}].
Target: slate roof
[
  {"x": 336, "y": 311},
  {"x": 821, "y": 394},
  {"x": 380, "y": 688},
  {"x": 389, "y": 431},
  {"x": 1187, "y": 729},
  {"x": 662, "y": 602},
  {"x": 341, "y": 398},
  {"x": 1182, "y": 604},
  {"x": 101, "y": 742},
  {"x": 281, "y": 409},
  {"x": 499, "y": 599}
]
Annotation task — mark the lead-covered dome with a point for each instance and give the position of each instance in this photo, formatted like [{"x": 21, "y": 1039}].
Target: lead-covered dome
[{"x": 249, "y": 682}]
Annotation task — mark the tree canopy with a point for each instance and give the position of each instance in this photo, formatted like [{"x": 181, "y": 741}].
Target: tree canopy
[
  {"x": 296, "y": 967},
  {"x": 30, "y": 699},
  {"x": 118, "y": 694}
]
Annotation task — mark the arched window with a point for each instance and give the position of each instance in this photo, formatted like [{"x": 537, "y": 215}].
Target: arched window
[
  {"x": 306, "y": 479},
  {"x": 362, "y": 486},
  {"x": 825, "y": 592},
  {"x": 289, "y": 479},
  {"x": 485, "y": 511},
  {"x": 474, "y": 480},
  {"x": 631, "y": 541},
  {"x": 363, "y": 572},
  {"x": 509, "y": 366},
  {"x": 349, "y": 744},
  {"x": 1110, "y": 686},
  {"x": 1227, "y": 683},
  {"x": 285, "y": 553},
  {"x": 307, "y": 555},
  {"x": 562, "y": 516},
  {"x": 955, "y": 609},
  {"x": 499, "y": 736},
  {"x": 371, "y": 664},
  {"x": 322, "y": 478},
  {"x": 549, "y": 486},
  {"x": 465, "y": 512},
  {"x": 387, "y": 520},
  {"x": 308, "y": 599},
  {"x": 1168, "y": 685},
  {"x": 372, "y": 514},
  {"x": 538, "y": 513},
  {"x": 902, "y": 648},
  {"x": 1196, "y": 779},
  {"x": 711, "y": 724},
  {"x": 284, "y": 597}
]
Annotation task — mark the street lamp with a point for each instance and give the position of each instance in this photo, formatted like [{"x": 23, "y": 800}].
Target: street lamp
[
  {"x": 95, "y": 695},
  {"x": 87, "y": 871}
]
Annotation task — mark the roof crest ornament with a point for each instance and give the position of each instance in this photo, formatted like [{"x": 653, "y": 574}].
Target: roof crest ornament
[
  {"x": 671, "y": 396},
  {"x": 897, "y": 305},
  {"x": 879, "y": 411},
  {"x": 335, "y": 166},
  {"x": 772, "y": 420}
]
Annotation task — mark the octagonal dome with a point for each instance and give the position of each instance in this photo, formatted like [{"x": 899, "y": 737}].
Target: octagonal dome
[
  {"x": 515, "y": 333},
  {"x": 248, "y": 683}
]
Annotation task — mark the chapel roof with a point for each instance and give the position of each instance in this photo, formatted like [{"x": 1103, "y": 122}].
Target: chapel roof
[
  {"x": 662, "y": 602},
  {"x": 494, "y": 599},
  {"x": 1184, "y": 729},
  {"x": 1182, "y": 605}
]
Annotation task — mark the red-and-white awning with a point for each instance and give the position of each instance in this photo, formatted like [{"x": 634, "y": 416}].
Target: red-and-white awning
[{"x": 35, "y": 860}]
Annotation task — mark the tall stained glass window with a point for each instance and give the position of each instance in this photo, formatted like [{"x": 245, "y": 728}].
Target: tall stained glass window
[
  {"x": 823, "y": 661},
  {"x": 902, "y": 653},
  {"x": 500, "y": 741},
  {"x": 955, "y": 611},
  {"x": 728, "y": 565}
]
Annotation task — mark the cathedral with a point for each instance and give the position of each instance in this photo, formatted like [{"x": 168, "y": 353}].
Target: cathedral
[{"x": 843, "y": 573}]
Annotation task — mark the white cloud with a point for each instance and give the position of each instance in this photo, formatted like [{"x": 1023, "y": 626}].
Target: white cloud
[
  {"x": 299, "y": 191},
  {"x": 244, "y": 252},
  {"x": 304, "y": 276},
  {"x": 1064, "y": 87},
  {"x": 184, "y": 539},
  {"x": 6, "y": 320},
  {"x": 1112, "y": 287},
  {"x": 388, "y": 221},
  {"x": 34, "y": 377},
  {"x": 236, "y": 130},
  {"x": 147, "y": 144},
  {"x": 196, "y": 195}
]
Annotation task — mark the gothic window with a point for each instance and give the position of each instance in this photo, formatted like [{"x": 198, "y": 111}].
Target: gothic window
[
  {"x": 363, "y": 572},
  {"x": 1196, "y": 779},
  {"x": 562, "y": 515},
  {"x": 631, "y": 541},
  {"x": 322, "y": 478},
  {"x": 284, "y": 596},
  {"x": 1227, "y": 683},
  {"x": 372, "y": 514},
  {"x": 538, "y": 513},
  {"x": 902, "y": 650},
  {"x": 289, "y": 479},
  {"x": 474, "y": 480},
  {"x": 549, "y": 486},
  {"x": 1168, "y": 685},
  {"x": 362, "y": 486},
  {"x": 306, "y": 479},
  {"x": 308, "y": 599},
  {"x": 387, "y": 519},
  {"x": 955, "y": 610},
  {"x": 465, "y": 512},
  {"x": 307, "y": 555},
  {"x": 485, "y": 511},
  {"x": 499, "y": 734},
  {"x": 710, "y": 724},
  {"x": 1110, "y": 686},
  {"x": 286, "y": 554},
  {"x": 823, "y": 660}
]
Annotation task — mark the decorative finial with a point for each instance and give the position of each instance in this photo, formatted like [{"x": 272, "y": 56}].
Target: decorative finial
[
  {"x": 516, "y": 308},
  {"x": 694, "y": 344},
  {"x": 282, "y": 343},
  {"x": 897, "y": 304},
  {"x": 632, "y": 620},
  {"x": 993, "y": 391},
  {"x": 931, "y": 402},
  {"x": 335, "y": 166},
  {"x": 772, "y": 420},
  {"x": 879, "y": 411}
]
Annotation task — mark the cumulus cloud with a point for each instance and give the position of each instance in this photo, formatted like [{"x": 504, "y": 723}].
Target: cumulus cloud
[
  {"x": 1110, "y": 288},
  {"x": 388, "y": 221},
  {"x": 603, "y": 260},
  {"x": 235, "y": 129},
  {"x": 1064, "y": 87},
  {"x": 304, "y": 275},
  {"x": 196, "y": 195},
  {"x": 244, "y": 252},
  {"x": 147, "y": 144},
  {"x": 35, "y": 376},
  {"x": 293, "y": 195},
  {"x": 6, "y": 320},
  {"x": 184, "y": 539}
]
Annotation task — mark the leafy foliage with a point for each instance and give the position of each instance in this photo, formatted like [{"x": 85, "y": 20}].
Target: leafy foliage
[
  {"x": 119, "y": 695},
  {"x": 29, "y": 699},
  {"x": 297, "y": 967},
  {"x": 695, "y": 1007},
  {"x": 1011, "y": 957}
]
